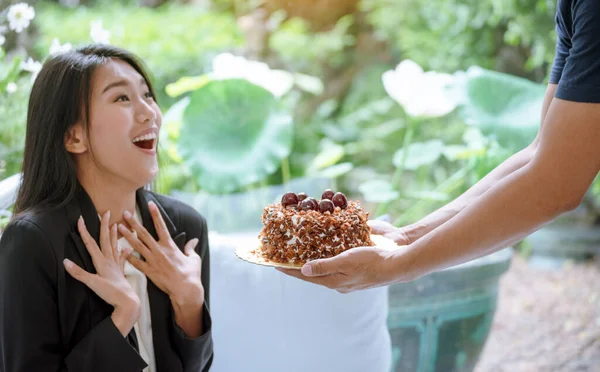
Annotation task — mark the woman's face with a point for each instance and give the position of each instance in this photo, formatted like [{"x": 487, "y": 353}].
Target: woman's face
[{"x": 124, "y": 125}]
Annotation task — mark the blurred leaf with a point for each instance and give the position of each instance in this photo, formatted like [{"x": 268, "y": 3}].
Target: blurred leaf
[
  {"x": 340, "y": 133},
  {"x": 9, "y": 73},
  {"x": 419, "y": 154},
  {"x": 501, "y": 105},
  {"x": 186, "y": 84},
  {"x": 385, "y": 129},
  {"x": 378, "y": 191},
  {"x": 171, "y": 128},
  {"x": 455, "y": 152},
  {"x": 308, "y": 83},
  {"x": 331, "y": 154},
  {"x": 335, "y": 171},
  {"x": 234, "y": 134}
]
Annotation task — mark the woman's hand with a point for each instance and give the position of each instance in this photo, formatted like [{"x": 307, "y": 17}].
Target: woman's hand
[
  {"x": 176, "y": 273},
  {"x": 109, "y": 282}
]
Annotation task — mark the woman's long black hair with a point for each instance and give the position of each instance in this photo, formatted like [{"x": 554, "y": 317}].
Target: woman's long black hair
[{"x": 60, "y": 97}]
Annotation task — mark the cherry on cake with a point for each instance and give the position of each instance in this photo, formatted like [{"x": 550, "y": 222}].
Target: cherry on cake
[{"x": 300, "y": 228}]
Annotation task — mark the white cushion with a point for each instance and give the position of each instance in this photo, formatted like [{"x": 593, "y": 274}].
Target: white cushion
[{"x": 265, "y": 321}]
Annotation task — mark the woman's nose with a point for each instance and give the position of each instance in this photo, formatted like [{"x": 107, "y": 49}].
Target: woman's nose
[{"x": 145, "y": 113}]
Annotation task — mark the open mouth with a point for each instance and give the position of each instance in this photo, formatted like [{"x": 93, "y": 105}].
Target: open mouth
[{"x": 146, "y": 141}]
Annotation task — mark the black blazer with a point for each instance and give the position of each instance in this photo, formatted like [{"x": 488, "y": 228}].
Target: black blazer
[{"x": 49, "y": 321}]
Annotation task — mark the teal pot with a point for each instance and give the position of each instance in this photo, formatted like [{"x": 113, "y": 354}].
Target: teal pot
[
  {"x": 440, "y": 322},
  {"x": 571, "y": 237}
]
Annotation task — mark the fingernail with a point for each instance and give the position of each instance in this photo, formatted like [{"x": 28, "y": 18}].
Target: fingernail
[
  {"x": 127, "y": 214},
  {"x": 151, "y": 205},
  {"x": 68, "y": 264},
  {"x": 195, "y": 242},
  {"x": 121, "y": 227},
  {"x": 108, "y": 214},
  {"x": 306, "y": 269}
]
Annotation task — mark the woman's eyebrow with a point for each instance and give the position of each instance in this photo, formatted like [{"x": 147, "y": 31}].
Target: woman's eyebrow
[{"x": 120, "y": 83}]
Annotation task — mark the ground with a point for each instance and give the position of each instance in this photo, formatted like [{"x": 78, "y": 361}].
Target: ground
[{"x": 547, "y": 320}]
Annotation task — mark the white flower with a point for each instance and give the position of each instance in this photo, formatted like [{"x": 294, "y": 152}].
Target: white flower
[
  {"x": 56, "y": 47},
  {"x": 421, "y": 94},
  {"x": 228, "y": 66},
  {"x": 98, "y": 33},
  {"x": 11, "y": 88},
  {"x": 2, "y": 39},
  {"x": 32, "y": 66},
  {"x": 19, "y": 16}
]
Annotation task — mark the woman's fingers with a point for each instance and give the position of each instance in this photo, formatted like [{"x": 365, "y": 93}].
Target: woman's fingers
[
  {"x": 125, "y": 253},
  {"x": 114, "y": 243},
  {"x": 159, "y": 223},
  {"x": 138, "y": 264},
  {"x": 105, "y": 238},
  {"x": 141, "y": 231},
  {"x": 191, "y": 246},
  {"x": 89, "y": 242},
  {"x": 77, "y": 272},
  {"x": 140, "y": 247},
  {"x": 103, "y": 288}
]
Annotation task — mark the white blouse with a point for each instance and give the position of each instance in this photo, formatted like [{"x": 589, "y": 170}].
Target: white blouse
[{"x": 143, "y": 327}]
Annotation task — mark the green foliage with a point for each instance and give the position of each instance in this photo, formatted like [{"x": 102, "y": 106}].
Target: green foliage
[
  {"x": 234, "y": 133},
  {"x": 504, "y": 106},
  {"x": 13, "y": 111},
  {"x": 173, "y": 40},
  {"x": 300, "y": 48},
  {"x": 448, "y": 35}
]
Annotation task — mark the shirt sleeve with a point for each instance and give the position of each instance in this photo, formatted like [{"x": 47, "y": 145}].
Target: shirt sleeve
[
  {"x": 563, "y": 45},
  {"x": 580, "y": 78}
]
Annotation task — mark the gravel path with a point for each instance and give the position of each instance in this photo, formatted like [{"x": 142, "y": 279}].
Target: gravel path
[{"x": 546, "y": 320}]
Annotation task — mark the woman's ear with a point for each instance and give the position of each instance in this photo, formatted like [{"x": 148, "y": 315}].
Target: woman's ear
[{"x": 75, "y": 139}]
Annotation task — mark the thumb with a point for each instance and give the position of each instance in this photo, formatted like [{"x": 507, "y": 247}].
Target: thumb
[
  {"x": 322, "y": 267},
  {"x": 190, "y": 246}
]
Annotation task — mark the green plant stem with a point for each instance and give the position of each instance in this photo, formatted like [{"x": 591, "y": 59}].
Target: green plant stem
[
  {"x": 410, "y": 129},
  {"x": 285, "y": 171}
]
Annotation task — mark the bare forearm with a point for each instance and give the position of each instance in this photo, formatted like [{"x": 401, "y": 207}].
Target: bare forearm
[
  {"x": 508, "y": 212},
  {"x": 511, "y": 165},
  {"x": 432, "y": 221}
]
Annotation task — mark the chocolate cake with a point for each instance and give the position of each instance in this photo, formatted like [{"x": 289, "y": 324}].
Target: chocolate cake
[{"x": 300, "y": 229}]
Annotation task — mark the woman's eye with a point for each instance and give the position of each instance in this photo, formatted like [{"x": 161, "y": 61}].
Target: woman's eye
[
  {"x": 122, "y": 98},
  {"x": 149, "y": 95}
]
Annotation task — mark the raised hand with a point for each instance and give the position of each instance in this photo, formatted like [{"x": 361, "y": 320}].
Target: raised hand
[{"x": 109, "y": 282}]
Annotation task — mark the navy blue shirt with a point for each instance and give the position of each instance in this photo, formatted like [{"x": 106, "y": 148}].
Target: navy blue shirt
[{"x": 576, "y": 67}]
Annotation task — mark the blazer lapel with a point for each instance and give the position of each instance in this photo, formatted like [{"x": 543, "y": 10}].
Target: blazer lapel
[
  {"x": 143, "y": 198},
  {"x": 82, "y": 205},
  {"x": 160, "y": 304}
]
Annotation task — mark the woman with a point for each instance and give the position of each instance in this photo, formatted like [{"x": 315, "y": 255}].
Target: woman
[{"x": 95, "y": 271}]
